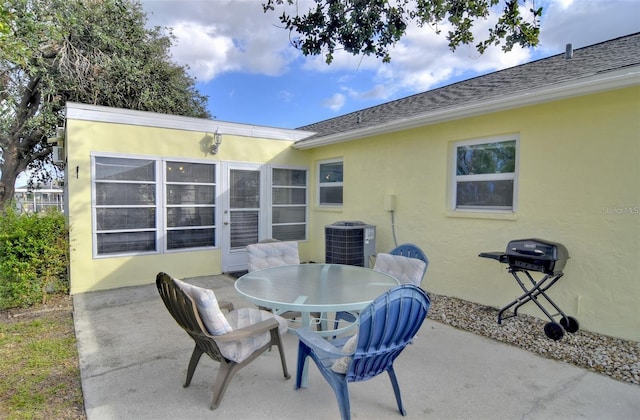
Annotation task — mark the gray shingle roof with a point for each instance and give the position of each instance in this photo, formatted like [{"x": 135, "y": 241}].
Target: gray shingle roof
[{"x": 588, "y": 61}]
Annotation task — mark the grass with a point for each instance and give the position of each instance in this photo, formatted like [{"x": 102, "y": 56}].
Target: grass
[{"x": 39, "y": 372}]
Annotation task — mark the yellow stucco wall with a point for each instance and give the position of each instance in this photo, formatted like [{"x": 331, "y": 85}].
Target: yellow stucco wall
[
  {"x": 86, "y": 137},
  {"x": 579, "y": 184}
]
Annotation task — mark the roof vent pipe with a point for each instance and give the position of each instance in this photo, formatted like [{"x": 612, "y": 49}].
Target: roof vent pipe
[{"x": 568, "y": 52}]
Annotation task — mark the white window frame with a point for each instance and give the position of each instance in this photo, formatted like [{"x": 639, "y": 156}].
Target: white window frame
[
  {"x": 160, "y": 204},
  {"x": 321, "y": 184},
  {"x": 271, "y": 185},
  {"x": 166, "y": 206},
  {"x": 513, "y": 176}
]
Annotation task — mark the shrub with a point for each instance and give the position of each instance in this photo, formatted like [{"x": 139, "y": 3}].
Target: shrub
[{"x": 34, "y": 256}]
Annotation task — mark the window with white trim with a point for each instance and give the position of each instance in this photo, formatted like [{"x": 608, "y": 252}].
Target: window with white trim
[
  {"x": 148, "y": 205},
  {"x": 190, "y": 204},
  {"x": 330, "y": 182},
  {"x": 125, "y": 205},
  {"x": 289, "y": 204},
  {"x": 485, "y": 174}
]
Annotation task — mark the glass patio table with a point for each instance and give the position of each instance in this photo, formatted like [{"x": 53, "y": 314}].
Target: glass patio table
[{"x": 308, "y": 288}]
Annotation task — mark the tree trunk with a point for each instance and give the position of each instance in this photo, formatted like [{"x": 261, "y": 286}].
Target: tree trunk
[{"x": 11, "y": 168}]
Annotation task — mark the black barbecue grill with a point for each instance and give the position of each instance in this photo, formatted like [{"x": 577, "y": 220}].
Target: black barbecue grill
[{"x": 537, "y": 255}]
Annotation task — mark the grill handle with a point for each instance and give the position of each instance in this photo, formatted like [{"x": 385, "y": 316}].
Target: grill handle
[{"x": 535, "y": 252}]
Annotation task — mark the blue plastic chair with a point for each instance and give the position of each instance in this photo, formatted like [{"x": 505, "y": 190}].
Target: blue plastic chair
[
  {"x": 387, "y": 325},
  {"x": 405, "y": 250}
]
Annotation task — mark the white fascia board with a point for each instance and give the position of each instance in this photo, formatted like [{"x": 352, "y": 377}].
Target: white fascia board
[
  {"x": 85, "y": 112},
  {"x": 599, "y": 83}
]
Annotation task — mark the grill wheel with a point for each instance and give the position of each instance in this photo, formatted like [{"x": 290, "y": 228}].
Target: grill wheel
[
  {"x": 553, "y": 330},
  {"x": 570, "y": 324}
]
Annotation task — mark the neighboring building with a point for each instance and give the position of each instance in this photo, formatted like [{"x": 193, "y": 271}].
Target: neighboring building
[
  {"x": 548, "y": 149},
  {"x": 40, "y": 198}
]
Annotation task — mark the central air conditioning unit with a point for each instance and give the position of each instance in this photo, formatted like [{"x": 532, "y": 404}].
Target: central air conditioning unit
[{"x": 350, "y": 243}]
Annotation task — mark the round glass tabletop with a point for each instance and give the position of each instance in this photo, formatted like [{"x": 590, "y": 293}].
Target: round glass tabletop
[{"x": 314, "y": 287}]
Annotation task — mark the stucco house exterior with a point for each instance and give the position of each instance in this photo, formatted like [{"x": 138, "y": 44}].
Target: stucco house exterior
[{"x": 549, "y": 149}]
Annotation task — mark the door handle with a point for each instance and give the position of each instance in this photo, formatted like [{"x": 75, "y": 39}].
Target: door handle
[{"x": 227, "y": 223}]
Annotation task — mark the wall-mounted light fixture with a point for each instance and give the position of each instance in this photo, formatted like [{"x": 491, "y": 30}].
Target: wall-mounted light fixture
[{"x": 217, "y": 140}]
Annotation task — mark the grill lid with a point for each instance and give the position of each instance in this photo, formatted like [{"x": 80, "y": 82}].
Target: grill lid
[
  {"x": 533, "y": 255},
  {"x": 538, "y": 249}
]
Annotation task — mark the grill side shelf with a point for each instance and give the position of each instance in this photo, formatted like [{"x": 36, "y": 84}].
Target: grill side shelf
[{"x": 498, "y": 256}]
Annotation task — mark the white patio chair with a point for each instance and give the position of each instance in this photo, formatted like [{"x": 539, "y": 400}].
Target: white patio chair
[
  {"x": 272, "y": 253},
  {"x": 407, "y": 263}
]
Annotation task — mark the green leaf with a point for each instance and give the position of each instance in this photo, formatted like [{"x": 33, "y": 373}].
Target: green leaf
[
  {"x": 373, "y": 27},
  {"x": 95, "y": 52}
]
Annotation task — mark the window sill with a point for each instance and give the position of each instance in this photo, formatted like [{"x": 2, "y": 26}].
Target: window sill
[
  {"x": 481, "y": 215},
  {"x": 335, "y": 209}
]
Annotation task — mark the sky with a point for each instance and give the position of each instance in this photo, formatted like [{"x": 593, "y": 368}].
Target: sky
[{"x": 243, "y": 61}]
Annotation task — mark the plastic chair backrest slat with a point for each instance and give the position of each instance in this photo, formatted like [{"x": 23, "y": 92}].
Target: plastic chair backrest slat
[{"x": 387, "y": 325}]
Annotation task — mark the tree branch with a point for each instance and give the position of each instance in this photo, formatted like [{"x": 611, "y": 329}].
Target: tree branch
[{"x": 30, "y": 101}]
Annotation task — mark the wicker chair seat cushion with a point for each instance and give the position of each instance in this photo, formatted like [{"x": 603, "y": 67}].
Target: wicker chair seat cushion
[
  {"x": 341, "y": 365},
  {"x": 272, "y": 254},
  {"x": 208, "y": 309},
  {"x": 243, "y": 317},
  {"x": 404, "y": 269}
]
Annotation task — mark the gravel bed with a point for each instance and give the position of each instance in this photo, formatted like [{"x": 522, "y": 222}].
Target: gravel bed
[{"x": 614, "y": 357}]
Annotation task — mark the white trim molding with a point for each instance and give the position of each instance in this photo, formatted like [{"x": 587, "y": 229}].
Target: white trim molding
[{"x": 85, "y": 112}]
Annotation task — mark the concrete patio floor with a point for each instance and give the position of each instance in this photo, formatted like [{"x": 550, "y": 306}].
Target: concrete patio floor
[{"x": 133, "y": 360}]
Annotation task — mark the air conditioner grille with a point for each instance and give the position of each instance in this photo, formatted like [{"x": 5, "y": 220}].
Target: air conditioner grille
[
  {"x": 351, "y": 243},
  {"x": 345, "y": 247}
]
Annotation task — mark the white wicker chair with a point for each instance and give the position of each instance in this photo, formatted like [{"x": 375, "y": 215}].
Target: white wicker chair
[{"x": 272, "y": 253}]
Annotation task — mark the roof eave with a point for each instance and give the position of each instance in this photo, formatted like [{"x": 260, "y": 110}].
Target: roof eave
[
  {"x": 86, "y": 112},
  {"x": 598, "y": 83}
]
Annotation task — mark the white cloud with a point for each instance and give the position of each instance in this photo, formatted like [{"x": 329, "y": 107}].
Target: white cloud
[
  {"x": 586, "y": 22},
  {"x": 335, "y": 103},
  {"x": 422, "y": 60},
  {"x": 235, "y": 35},
  {"x": 563, "y": 4},
  {"x": 203, "y": 49},
  {"x": 286, "y": 96},
  {"x": 223, "y": 35}
]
